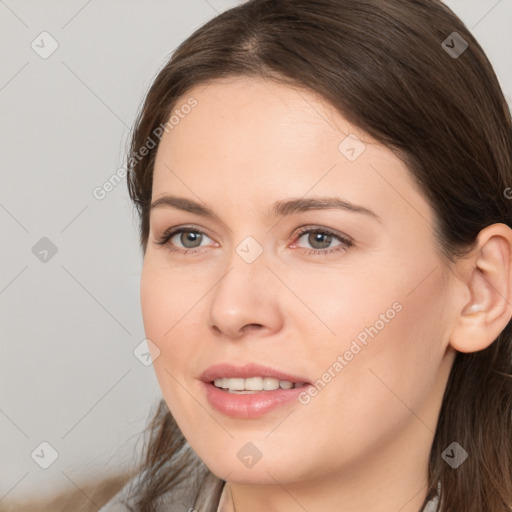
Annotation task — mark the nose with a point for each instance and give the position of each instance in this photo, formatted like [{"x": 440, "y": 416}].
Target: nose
[{"x": 246, "y": 300}]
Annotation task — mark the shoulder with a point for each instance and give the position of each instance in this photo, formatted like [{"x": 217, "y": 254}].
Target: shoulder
[
  {"x": 199, "y": 488},
  {"x": 433, "y": 504},
  {"x": 121, "y": 501}
]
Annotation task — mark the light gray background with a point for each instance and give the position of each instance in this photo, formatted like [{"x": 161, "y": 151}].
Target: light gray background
[{"x": 68, "y": 375}]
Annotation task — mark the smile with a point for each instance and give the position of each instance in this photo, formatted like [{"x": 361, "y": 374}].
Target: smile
[
  {"x": 251, "y": 390},
  {"x": 253, "y": 385}
]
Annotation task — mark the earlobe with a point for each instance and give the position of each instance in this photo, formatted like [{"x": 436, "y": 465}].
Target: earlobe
[{"x": 488, "y": 279}]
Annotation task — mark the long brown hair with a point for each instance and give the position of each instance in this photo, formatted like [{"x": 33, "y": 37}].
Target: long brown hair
[{"x": 386, "y": 66}]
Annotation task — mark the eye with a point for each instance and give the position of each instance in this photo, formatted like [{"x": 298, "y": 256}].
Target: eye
[
  {"x": 321, "y": 238},
  {"x": 189, "y": 237}
]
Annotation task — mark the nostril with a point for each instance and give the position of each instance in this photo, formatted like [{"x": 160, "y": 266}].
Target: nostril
[{"x": 251, "y": 327}]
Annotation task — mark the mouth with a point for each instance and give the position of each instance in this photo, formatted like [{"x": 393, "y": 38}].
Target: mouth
[{"x": 250, "y": 391}]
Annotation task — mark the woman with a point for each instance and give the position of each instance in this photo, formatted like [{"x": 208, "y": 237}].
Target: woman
[{"x": 323, "y": 189}]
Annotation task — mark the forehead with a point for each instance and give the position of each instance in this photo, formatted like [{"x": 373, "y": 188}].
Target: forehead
[
  {"x": 253, "y": 141},
  {"x": 243, "y": 114}
]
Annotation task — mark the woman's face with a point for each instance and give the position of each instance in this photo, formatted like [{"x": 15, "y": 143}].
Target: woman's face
[{"x": 366, "y": 321}]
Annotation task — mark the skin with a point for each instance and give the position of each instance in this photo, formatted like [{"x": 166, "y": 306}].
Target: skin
[{"x": 361, "y": 444}]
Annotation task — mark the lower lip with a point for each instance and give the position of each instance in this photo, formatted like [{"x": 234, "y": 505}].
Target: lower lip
[{"x": 250, "y": 405}]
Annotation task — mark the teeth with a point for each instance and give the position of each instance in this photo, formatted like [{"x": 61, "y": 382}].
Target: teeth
[
  {"x": 269, "y": 383},
  {"x": 253, "y": 384}
]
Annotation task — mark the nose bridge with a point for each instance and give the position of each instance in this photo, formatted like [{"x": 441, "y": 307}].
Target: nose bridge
[{"x": 242, "y": 296}]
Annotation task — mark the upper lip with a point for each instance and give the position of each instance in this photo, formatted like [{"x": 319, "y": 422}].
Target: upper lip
[{"x": 226, "y": 370}]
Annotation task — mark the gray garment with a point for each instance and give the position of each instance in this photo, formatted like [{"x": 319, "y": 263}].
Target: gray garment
[
  {"x": 179, "y": 501},
  {"x": 199, "y": 490}
]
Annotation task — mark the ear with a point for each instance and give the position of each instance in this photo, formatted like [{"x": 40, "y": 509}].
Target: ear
[{"x": 487, "y": 280}]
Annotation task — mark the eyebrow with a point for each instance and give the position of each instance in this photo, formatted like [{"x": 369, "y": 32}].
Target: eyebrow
[{"x": 279, "y": 208}]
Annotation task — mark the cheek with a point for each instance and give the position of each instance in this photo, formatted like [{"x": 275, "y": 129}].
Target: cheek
[
  {"x": 389, "y": 313},
  {"x": 169, "y": 300},
  {"x": 166, "y": 299},
  {"x": 154, "y": 301},
  {"x": 391, "y": 345},
  {"x": 385, "y": 391},
  {"x": 162, "y": 306}
]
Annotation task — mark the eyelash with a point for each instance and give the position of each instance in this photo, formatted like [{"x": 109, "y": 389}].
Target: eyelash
[{"x": 345, "y": 242}]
